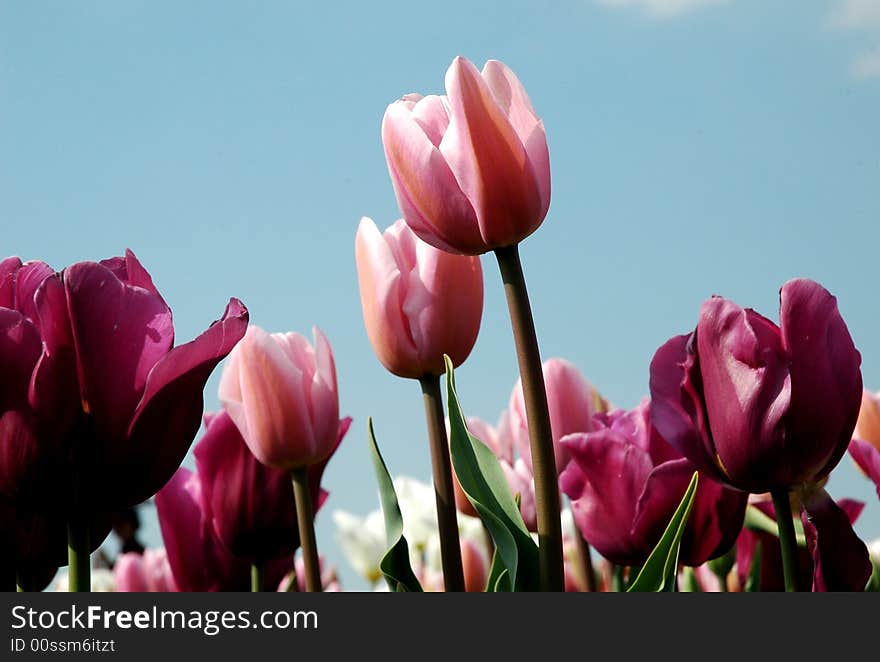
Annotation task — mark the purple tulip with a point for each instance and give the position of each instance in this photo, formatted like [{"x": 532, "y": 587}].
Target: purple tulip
[
  {"x": 625, "y": 482},
  {"x": 198, "y": 559},
  {"x": 111, "y": 401},
  {"x": 756, "y": 405},
  {"x": 252, "y": 508}
]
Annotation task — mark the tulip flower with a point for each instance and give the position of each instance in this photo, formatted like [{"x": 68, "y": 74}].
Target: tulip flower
[
  {"x": 471, "y": 169},
  {"x": 329, "y": 579},
  {"x": 363, "y": 542},
  {"x": 625, "y": 482},
  {"x": 761, "y": 407},
  {"x": 419, "y": 302},
  {"x": 281, "y": 393},
  {"x": 868, "y": 423},
  {"x": 144, "y": 573},
  {"x": 199, "y": 561},
  {"x": 252, "y": 505},
  {"x": 572, "y": 401}
]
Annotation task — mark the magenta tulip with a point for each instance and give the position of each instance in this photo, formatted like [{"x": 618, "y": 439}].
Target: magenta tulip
[
  {"x": 756, "y": 405},
  {"x": 281, "y": 393},
  {"x": 625, "y": 482},
  {"x": 252, "y": 506},
  {"x": 572, "y": 401},
  {"x": 149, "y": 572},
  {"x": 471, "y": 169},
  {"x": 198, "y": 559},
  {"x": 419, "y": 302}
]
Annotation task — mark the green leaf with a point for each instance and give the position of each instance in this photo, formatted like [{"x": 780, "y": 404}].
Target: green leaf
[
  {"x": 758, "y": 521},
  {"x": 395, "y": 564},
  {"x": 485, "y": 485},
  {"x": 660, "y": 570}
]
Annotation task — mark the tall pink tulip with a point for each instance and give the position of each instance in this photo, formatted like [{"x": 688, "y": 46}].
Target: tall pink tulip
[
  {"x": 419, "y": 302},
  {"x": 149, "y": 572},
  {"x": 868, "y": 423},
  {"x": 281, "y": 393},
  {"x": 471, "y": 169}
]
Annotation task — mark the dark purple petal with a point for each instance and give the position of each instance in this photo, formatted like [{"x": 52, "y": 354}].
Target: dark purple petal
[
  {"x": 130, "y": 271},
  {"x": 20, "y": 348},
  {"x": 198, "y": 560},
  {"x": 27, "y": 281},
  {"x": 120, "y": 333},
  {"x": 677, "y": 410},
  {"x": 840, "y": 559},
  {"x": 252, "y": 506},
  {"x": 169, "y": 414},
  {"x": 746, "y": 387},
  {"x": 8, "y": 268},
  {"x": 604, "y": 480},
  {"x": 868, "y": 459},
  {"x": 826, "y": 380}
]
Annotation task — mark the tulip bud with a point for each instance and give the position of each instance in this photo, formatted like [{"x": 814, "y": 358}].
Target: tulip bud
[
  {"x": 419, "y": 302},
  {"x": 148, "y": 572},
  {"x": 471, "y": 169},
  {"x": 868, "y": 423},
  {"x": 281, "y": 393}
]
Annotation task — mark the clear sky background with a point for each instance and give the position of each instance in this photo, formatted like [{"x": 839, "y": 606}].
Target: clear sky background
[{"x": 696, "y": 147}]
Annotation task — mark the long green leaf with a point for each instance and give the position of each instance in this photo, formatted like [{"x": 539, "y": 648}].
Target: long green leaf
[
  {"x": 753, "y": 581},
  {"x": 485, "y": 485},
  {"x": 395, "y": 565},
  {"x": 758, "y": 521},
  {"x": 660, "y": 570}
]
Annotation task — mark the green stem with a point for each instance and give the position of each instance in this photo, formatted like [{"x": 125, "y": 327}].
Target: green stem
[
  {"x": 787, "y": 538},
  {"x": 586, "y": 563},
  {"x": 538, "y": 416},
  {"x": 257, "y": 580},
  {"x": 450, "y": 548},
  {"x": 306, "y": 520},
  {"x": 78, "y": 557}
]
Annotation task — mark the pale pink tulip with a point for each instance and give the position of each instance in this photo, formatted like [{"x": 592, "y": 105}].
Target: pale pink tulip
[
  {"x": 419, "y": 302},
  {"x": 471, "y": 169},
  {"x": 572, "y": 401},
  {"x": 148, "y": 572},
  {"x": 868, "y": 425},
  {"x": 281, "y": 393}
]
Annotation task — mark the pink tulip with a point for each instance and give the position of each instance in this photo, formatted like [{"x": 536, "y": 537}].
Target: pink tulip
[
  {"x": 329, "y": 578},
  {"x": 419, "y": 302},
  {"x": 572, "y": 402},
  {"x": 149, "y": 572},
  {"x": 471, "y": 169},
  {"x": 281, "y": 394},
  {"x": 868, "y": 424}
]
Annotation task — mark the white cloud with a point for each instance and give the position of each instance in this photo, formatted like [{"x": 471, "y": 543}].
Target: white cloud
[
  {"x": 860, "y": 16},
  {"x": 660, "y": 8}
]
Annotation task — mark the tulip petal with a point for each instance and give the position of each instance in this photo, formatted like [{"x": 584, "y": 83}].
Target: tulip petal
[
  {"x": 604, "y": 480},
  {"x": 380, "y": 282},
  {"x": 747, "y": 387},
  {"x": 8, "y": 268},
  {"x": 868, "y": 425},
  {"x": 27, "y": 281},
  {"x": 511, "y": 96},
  {"x": 677, "y": 412},
  {"x": 130, "y": 271},
  {"x": 840, "y": 559},
  {"x": 427, "y": 191},
  {"x": 170, "y": 411},
  {"x": 120, "y": 332},
  {"x": 489, "y": 160},
  {"x": 868, "y": 459},
  {"x": 826, "y": 379}
]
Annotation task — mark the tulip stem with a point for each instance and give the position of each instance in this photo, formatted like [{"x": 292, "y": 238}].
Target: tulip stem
[
  {"x": 257, "y": 585},
  {"x": 78, "y": 557},
  {"x": 787, "y": 538},
  {"x": 450, "y": 548},
  {"x": 586, "y": 561},
  {"x": 306, "y": 521},
  {"x": 538, "y": 417}
]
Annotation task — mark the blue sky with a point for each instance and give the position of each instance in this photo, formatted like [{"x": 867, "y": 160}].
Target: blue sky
[{"x": 697, "y": 147}]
